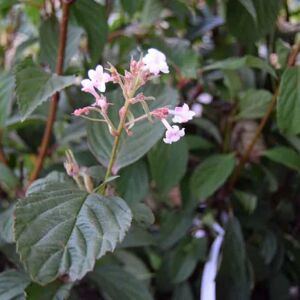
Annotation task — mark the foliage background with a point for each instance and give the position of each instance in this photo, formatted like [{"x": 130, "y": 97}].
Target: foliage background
[{"x": 218, "y": 47}]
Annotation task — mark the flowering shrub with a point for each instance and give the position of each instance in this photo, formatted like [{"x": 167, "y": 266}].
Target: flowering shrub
[{"x": 149, "y": 149}]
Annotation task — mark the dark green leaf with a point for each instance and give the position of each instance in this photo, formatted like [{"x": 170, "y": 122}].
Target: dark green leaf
[
  {"x": 168, "y": 164},
  {"x": 232, "y": 279},
  {"x": 235, "y": 63},
  {"x": 133, "y": 184},
  {"x": 288, "y": 104},
  {"x": 8, "y": 179},
  {"x": 119, "y": 284},
  {"x": 144, "y": 134},
  {"x": 212, "y": 174},
  {"x": 12, "y": 285},
  {"x": 151, "y": 12},
  {"x": 49, "y": 32},
  {"x": 91, "y": 16},
  {"x": 34, "y": 86},
  {"x": 61, "y": 231},
  {"x": 285, "y": 156},
  {"x": 56, "y": 290},
  {"x": 137, "y": 237},
  {"x": 254, "y": 103},
  {"x": 241, "y": 20}
]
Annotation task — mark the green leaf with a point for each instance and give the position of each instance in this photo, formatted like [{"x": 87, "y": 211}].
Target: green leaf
[
  {"x": 288, "y": 103},
  {"x": 168, "y": 164},
  {"x": 248, "y": 201},
  {"x": 253, "y": 104},
  {"x": 145, "y": 134},
  {"x": 12, "y": 285},
  {"x": 34, "y": 86},
  {"x": 185, "y": 258},
  {"x": 235, "y": 63},
  {"x": 6, "y": 96},
  {"x": 232, "y": 279},
  {"x": 56, "y": 290},
  {"x": 183, "y": 291},
  {"x": 151, "y": 12},
  {"x": 133, "y": 184},
  {"x": 142, "y": 214},
  {"x": 119, "y": 284},
  {"x": 137, "y": 237},
  {"x": 242, "y": 23},
  {"x": 131, "y": 6},
  {"x": 285, "y": 156},
  {"x": 212, "y": 174},
  {"x": 248, "y": 4},
  {"x": 8, "y": 180},
  {"x": 91, "y": 16},
  {"x": 48, "y": 39},
  {"x": 196, "y": 142},
  {"x": 6, "y": 226},
  {"x": 61, "y": 231}
]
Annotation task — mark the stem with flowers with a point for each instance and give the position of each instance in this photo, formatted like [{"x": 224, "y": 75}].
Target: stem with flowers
[{"x": 140, "y": 72}]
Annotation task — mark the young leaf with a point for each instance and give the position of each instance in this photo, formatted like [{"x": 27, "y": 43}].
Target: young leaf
[
  {"x": 61, "y": 231},
  {"x": 34, "y": 86},
  {"x": 119, "y": 284},
  {"x": 285, "y": 156},
  {"x": 91, "y": 16},
  {"x": 168, "y": 164},
  {"x": 288, "y": 104},
  {"x": 144, "y": 134},
  {"x": 212, "y": 174},
  {"x": 12, "y": 285}
]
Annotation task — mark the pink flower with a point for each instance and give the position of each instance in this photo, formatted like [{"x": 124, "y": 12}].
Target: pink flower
[
  {"x": 205, "y": 98},
  {"x": 99, "y": 78},
  {"x": 160, "y": 113},
  {"x": 155, "y": 62},
  {"x": 80, "y": 111},
  {"x": 173, "y": 133},
  {"x": 88, "y": 87},
  {"x": 182, "y": 114},
  {"x": 102, "y": 103}
]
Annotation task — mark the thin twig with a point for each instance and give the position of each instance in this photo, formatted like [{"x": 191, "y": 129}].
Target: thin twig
[
  {"x": 55, "y": 97},
  {"x": 291, "y": 62}
]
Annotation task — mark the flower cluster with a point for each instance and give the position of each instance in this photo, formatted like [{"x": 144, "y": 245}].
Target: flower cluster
[{"x": 149, "y": 66}]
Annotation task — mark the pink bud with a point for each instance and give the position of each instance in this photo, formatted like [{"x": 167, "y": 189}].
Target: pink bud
[
  {"x": 160, "y": 113},
  {"x": 80, "y": 111}
]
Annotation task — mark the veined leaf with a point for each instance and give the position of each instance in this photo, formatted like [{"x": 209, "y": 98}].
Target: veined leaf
[
  {"x": 61, "y": 231},
  {"x": 12, "y": 285},
  {"x": 34, "y": 86},
  {"x": 6, "y": 96},
  {"x": 211, "y": 174},
  {"x": 288, "y": 104}
]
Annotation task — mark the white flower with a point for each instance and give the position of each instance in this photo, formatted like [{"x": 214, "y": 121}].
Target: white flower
[
  {"x": 99, "y": 78},
  {"x": 262, "y": 51},
  {"x": 199, "y": 234},
  {"x": 155, "y": 62},
  {"x": 205, "y": 98},
  {"x": 197, "y": 109},
  {"x": 182, "y": 114},
  {"x": 173, "y": 133}
]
